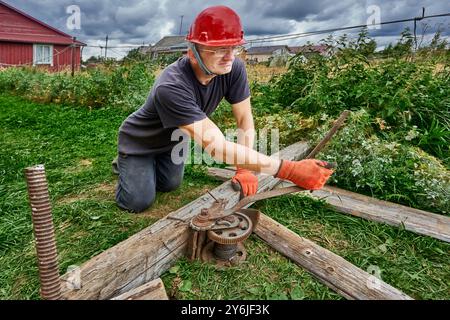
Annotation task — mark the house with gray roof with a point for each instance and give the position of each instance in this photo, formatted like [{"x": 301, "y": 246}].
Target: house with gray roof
[
  {"x": 265, "y": 53},
  {"x": 308, "y": 50},
  {"x": 167, "y": 45}
]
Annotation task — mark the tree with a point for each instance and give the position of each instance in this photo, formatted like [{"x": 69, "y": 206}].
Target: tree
[
  {"x": 365, "y": 45},
  {"x": 136, "y": 54},
  {"x": 437, "y": 43},
  {"x": 93, "y": 59}
]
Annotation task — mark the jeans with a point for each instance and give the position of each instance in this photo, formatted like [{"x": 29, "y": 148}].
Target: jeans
[{"x": 141, "y": 176}]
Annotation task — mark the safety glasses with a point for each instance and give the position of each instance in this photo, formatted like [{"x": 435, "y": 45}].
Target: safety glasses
[{"x": 220, "y": 53}]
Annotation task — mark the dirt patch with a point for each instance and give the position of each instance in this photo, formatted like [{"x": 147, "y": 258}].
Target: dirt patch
[
  {"x": 83, "y": 164},
  {"x": 71, "y": 199},
  {"x": 164, "y": 204},
  {"x": 101, "y": 192},
  {"x": 104, "y": 189}
]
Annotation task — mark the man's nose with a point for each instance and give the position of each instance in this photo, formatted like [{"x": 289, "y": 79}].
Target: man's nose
[{"x": 229, "y": 55}]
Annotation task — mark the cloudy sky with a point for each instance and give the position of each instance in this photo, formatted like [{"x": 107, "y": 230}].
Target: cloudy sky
[{"x": 135, "y": 22}]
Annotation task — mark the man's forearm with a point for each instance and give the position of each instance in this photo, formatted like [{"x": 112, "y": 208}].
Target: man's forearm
[
  {"x": 246, "y": 137},
  {"x": 206, "y": 134},
  {"x": 246, "y": 133},
  {"x": 244, "y": 157}
]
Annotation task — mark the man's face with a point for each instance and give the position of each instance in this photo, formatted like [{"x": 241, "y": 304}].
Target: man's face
[{"x": 218, "y": 60}]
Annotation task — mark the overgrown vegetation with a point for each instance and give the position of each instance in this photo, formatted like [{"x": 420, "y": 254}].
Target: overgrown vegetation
[
  {"x": 406, "y": 94},
  {"x": 388, "y": 170},
  {"x": 125, "y": 86}
]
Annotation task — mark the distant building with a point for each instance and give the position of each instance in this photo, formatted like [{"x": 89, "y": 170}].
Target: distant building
[
  {"x": 264, "y": 54},
  {"x": 308, "y": 50},
  {"x": 26, "y": 41},
  {"x": 167, "y": 45}
]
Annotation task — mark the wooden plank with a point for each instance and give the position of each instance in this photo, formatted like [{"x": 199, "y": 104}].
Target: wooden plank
[
  {"x": 415, "y": 220},
  {"x": 220, "y": 174},
  {"x": 149, "y": 253},
  {"x": 329, "y": 268},
  {"x": 153, "y": 290}
]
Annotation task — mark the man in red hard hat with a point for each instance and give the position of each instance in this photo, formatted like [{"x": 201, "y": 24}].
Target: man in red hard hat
[{"x": 183, "y": 97}]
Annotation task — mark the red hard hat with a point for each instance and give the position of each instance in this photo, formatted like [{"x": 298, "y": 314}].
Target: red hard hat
[{"x": 217, "y": 26}]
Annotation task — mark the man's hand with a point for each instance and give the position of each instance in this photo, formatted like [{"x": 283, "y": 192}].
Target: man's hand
[
  {"x": 247, "y": 180},
  {"x": 309, "y": 174}
]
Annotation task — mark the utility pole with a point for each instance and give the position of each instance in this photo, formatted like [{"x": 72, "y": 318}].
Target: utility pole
[
  {"x": 106, "y": 48},
  {"x": 73, "y": 56},
  {"x": 415, "y": 27},
  {"x": 181, "y": 25}
]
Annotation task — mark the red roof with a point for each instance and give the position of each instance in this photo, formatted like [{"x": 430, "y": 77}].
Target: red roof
[{"x": 17, "y": 26}]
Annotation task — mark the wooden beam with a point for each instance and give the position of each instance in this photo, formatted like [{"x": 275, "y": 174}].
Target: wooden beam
[
  {"x": 415, "y": 220},
  {"x": 329, "y": 268},
  {"x": 220, "y": 174},
  {"x": 153, "y": 290},
  {"x": 149, "y": 253}
]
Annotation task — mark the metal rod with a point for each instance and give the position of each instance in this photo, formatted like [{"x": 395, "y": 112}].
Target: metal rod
[
  {"x": 44, "y": 232},
  {"x": 273, "y": 193},
  {"x": 338, "y": 123}
]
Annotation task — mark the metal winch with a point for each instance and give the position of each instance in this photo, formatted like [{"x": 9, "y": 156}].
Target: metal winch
[
  {"x": 217, "y": 234},
  {"x": 217, "y": 237}
]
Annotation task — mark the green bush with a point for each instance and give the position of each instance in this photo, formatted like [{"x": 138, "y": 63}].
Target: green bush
[
  {"x": 124, "y": 86},
  {"x": 403, "y": 93},
  {"x": 386, "y": 169}
]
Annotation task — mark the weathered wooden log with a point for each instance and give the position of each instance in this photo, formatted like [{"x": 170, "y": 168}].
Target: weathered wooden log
[
  {"x": 329, "y": 268},
  {"x": 153, "y": 290},
  {"x": 415, "y": 220},
  {"x": 152, "y": 251}
]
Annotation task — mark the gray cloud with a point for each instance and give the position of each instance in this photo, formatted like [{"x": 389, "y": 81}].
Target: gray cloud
[{"x": 146, "y": 21}]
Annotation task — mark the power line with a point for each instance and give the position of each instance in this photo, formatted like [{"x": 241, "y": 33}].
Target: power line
[
  {"x": 311, "y": 33},
  {"x": 115, "y": 47}
]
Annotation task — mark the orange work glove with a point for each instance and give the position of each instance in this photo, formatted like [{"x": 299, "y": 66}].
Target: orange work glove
[
  {"x": 247, "y": 180},
  {"x": 308, "y": 174}
]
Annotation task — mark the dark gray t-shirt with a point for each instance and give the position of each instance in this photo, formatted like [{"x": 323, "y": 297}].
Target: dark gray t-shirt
[{"x": 176, "y": 99}]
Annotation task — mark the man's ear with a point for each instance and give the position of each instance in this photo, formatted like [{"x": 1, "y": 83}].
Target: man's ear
[{"x": 191, "y": 56}]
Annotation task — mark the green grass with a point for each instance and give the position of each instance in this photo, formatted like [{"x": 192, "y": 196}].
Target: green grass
[
  {"x": 417, "y": 265},
  {"x": 77, "y": 146}
]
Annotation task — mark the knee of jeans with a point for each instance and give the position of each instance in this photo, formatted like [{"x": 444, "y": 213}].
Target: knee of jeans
[
  {"x": 170, "y": 185},
  {"x": 135, "y": 204}
]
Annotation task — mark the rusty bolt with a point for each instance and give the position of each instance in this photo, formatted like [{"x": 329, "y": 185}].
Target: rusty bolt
[{"x": 44, "y": 232}]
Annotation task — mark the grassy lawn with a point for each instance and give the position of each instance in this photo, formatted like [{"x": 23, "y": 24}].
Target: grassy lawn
[
  {"x": 77, "y": 146},
  {"x": 417, "y": 265}
]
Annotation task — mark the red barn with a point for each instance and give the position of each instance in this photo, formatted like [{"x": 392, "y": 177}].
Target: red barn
[{"x": 25, "y": 40}]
